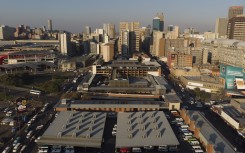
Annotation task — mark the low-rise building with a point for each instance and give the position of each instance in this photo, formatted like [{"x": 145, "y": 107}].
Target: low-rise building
[
  {"x": 80, "y": 129},
  {"x": 206, "y": 83},
  {"x": 203, "y": 130},
  {"x": 239, "y": 104},
  {"x": 233, "y": 117},
  {"x": 178, "y": 72},
  {"x": 141, "y": 129}
]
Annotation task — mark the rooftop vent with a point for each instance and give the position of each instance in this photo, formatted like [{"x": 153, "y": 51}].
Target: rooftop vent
[
  {"x": 130, "y": 136},
  {"x": 59, "y": 134},
  {"x": 74, "y": 134}
]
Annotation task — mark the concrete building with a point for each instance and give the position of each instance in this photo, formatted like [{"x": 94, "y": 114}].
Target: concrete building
[
  {"x": 50, "y": 25},
  {"x": 109, "y": 29},
  {"x": 158, "y": 44},
  {"x": 176, "y": 59},
  {"x": 158, "y": 22},
  {"x": 173, "y": 34},
  {"x": 221, "y": 27},
  {"x": 129, "y": 68},
  {"x": 180, "y": 43},
  {"x": 239, "y": 104},
  {"x": 204, "y": 131},
  {"x": 227, "y": 52},
  {"x": 210, "y": 35},
  {"x": 65, "y": 44},
  {"x": 133, "y": 37},
  {"x": 197, "y": 56},
  {"x": 124, "y": 38},
  {"x": 233, "y": 117},
  {"x": 79, "y": 129},
  {"x": 178, "y": 72},
  {"x": 110, "y": 105},
  {"x": 6, "y": 32},
  {"x": 30, "y": 56},
  {"x": 108, "y": 51},
  {"x": 145, "y": 37},
  {"x": 236, "y": 28},
  {"x": 87, "y": 30},
  {"x": 94, "y": 47},
  {"x": 68, "y": 66},
  {"x": 234, "y": 11},
  {"x": 205, "y": 83},
  {"x": 139, "y": 129}
]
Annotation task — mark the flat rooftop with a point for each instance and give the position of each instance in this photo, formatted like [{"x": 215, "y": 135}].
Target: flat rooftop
[
  {"x": 137, "y": 129},
  {"x": 33, "y": 65},
  {"x": 172, "y": 97},
  {"x": 81, "y": 129},
  {"x": 115, "y": 104},
  {"x": 203, "y": 79},
  {"x": 234, "y": 113}
]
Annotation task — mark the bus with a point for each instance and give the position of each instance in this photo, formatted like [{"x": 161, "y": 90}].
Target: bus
[{"x": 35, "y": 92}]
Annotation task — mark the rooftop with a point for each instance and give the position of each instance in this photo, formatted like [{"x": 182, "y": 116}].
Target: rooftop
[
  {"x": 137, "y": 129},
  {"x": 210, "y": 134},
  {"x": 82, "y": 129},
  {"x": 235, "y": 114},
  {"x": 114, "y": 104}
]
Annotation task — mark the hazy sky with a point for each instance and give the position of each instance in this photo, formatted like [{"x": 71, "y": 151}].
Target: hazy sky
[{"x": 73, "y": 15}]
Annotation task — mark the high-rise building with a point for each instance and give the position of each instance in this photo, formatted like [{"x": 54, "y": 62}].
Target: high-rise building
[
  {"x": 65, "y": 44},
  {"x": 6, "y": 32},
  {"x": 87, "y": 30},
  {"x": 124, "y": 36},
  {"x": 170, "y": 28},
  {"x": 50, "y": 25},
  {"x": 221, "y": 27},
  {"x": 158, "y": 44},
  {"x": 173, "y": 32},
  {"x": 93, "y": 48},
  {"x": 130, "y": 35},
  {"x": 236, "y": 28},
  {"x": 145, "y": 37},
  {"x": 234, "y": 11},
  {"x": 108, "y": 51},
  {"x": 158, "y": 22},
  {"x": 109, "y": 29}
]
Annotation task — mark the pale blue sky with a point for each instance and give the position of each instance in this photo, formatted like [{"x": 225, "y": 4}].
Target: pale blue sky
[{"x": 73, "y": 15}]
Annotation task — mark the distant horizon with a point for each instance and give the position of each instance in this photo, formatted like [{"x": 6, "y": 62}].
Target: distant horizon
[{"x": 74, "y": 16}]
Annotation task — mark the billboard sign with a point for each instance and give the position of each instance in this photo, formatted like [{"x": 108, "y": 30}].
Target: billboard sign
[{"x": 234, "y": 76}]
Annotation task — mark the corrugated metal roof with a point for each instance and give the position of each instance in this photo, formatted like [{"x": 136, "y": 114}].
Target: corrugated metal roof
[
  {"x": 137, "y": 129},
  {"x": 83, "y": 129}
]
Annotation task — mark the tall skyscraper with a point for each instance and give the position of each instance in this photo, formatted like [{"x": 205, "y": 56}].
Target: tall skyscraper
[
  {"x": 65, "y": 44},
  {"x": 50, "y": 26},
  {"x": 234, "y": 11},
  {"x": 109, "y": 30},
  {"x": 158, "y": 22},
  {"x": 158, "y": 44},
  {"x": 87, "y": 30},
  {"x": 221, "y": 27},
  {"x": 236, "y": 28},
  {"x": 124, "y": 35},
  {"x": 133, "y": 30}
]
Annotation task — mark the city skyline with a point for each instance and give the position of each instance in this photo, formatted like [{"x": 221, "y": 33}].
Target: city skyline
[{"x": 74, "y": 16}]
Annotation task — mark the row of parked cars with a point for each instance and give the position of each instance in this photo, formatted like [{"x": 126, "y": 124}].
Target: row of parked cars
[
  {"x": 187, "y": 135},
  {"x": 17, "y": 145},
  {"x": 55, "y": 149}
]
